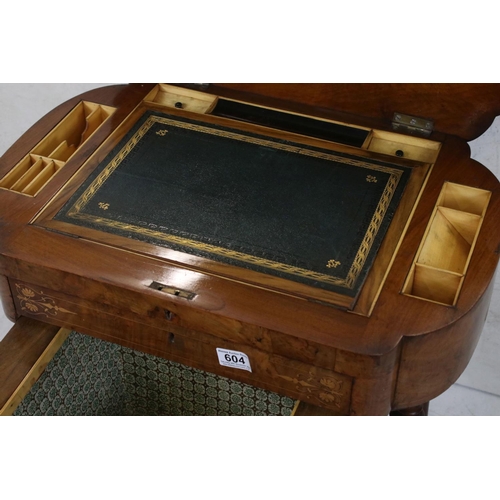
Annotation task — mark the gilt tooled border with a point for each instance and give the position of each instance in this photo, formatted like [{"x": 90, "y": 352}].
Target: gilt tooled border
[{"x": 76, "y": 211}]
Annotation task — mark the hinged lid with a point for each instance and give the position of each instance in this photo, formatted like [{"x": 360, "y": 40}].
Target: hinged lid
[{"x": 464, "y": 110}]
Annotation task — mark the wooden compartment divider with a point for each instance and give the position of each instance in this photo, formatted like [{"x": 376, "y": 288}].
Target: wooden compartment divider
[
  {"x": 56, "y": 148},
  {"x": 443, "y": 257}
]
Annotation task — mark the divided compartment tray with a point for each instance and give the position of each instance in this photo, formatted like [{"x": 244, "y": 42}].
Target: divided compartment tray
[
  {"x": 443, "y": 257},
  {"x": 56, "y": 148}
]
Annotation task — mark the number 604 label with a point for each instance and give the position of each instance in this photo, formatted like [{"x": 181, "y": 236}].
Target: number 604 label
[{"x": 233, "y": 359}]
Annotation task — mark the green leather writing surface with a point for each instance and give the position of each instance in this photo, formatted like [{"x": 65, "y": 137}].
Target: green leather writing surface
[{"x": 305, "y": 214}]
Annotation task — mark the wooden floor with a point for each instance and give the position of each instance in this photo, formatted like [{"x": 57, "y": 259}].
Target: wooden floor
[{"x": 477, "y": 392}]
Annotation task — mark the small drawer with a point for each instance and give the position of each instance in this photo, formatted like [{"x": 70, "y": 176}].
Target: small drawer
[
  {"x": 180, "y": 98},
  {"x": 402, "y": 146}
]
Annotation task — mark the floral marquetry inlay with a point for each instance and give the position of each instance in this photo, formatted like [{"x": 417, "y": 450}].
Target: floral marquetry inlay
[
  {"x": 316, "y": 388},
  {"x": 37, "y": 302}
]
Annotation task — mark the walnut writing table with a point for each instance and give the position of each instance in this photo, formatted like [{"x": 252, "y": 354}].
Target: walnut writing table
[{"x": 322, "y": 241}]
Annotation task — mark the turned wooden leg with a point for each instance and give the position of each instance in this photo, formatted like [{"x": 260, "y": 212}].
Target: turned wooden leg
[{"x": 415, "y": 411}]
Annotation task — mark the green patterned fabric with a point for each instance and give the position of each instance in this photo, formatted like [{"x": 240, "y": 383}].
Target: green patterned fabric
[{"x": 93, "y": 377}]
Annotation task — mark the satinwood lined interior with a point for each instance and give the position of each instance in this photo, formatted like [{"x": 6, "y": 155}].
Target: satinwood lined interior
[
  {"x": 56, "y": 148},
  {"x": 442, "y": 260}
]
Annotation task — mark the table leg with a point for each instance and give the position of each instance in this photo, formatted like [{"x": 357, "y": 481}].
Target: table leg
[{"x": 414, "y": 411}]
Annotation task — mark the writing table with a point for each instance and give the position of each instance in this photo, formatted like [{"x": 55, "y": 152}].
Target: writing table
[{"x": 332, "y": 243}]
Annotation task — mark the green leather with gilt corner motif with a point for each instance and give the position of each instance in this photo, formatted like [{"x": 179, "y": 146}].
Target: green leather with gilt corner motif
[{"x": 305, "y": 214}]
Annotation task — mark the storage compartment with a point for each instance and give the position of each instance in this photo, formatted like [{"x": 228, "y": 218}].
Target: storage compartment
[
  {"x": 441, "y": 263},
  {"x": 403, "y": 146},
  {"x": 89, "y": 376},
  {"x": 31, "y": 174},
  {"x": 180, "y": 98},
  {"x": 449, "y": 240},
  {"x": 167, "y": 333},
  {"x": 433, "y": 284},
  {"x": 65, "y": 139},
  {"x": 291, "y": 122},
  {"x": 464, "y": 198},
  {"x": 57, "y": 147}
]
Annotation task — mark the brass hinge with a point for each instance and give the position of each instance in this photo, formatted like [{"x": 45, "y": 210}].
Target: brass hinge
[{"x": 412, "y": 125}]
